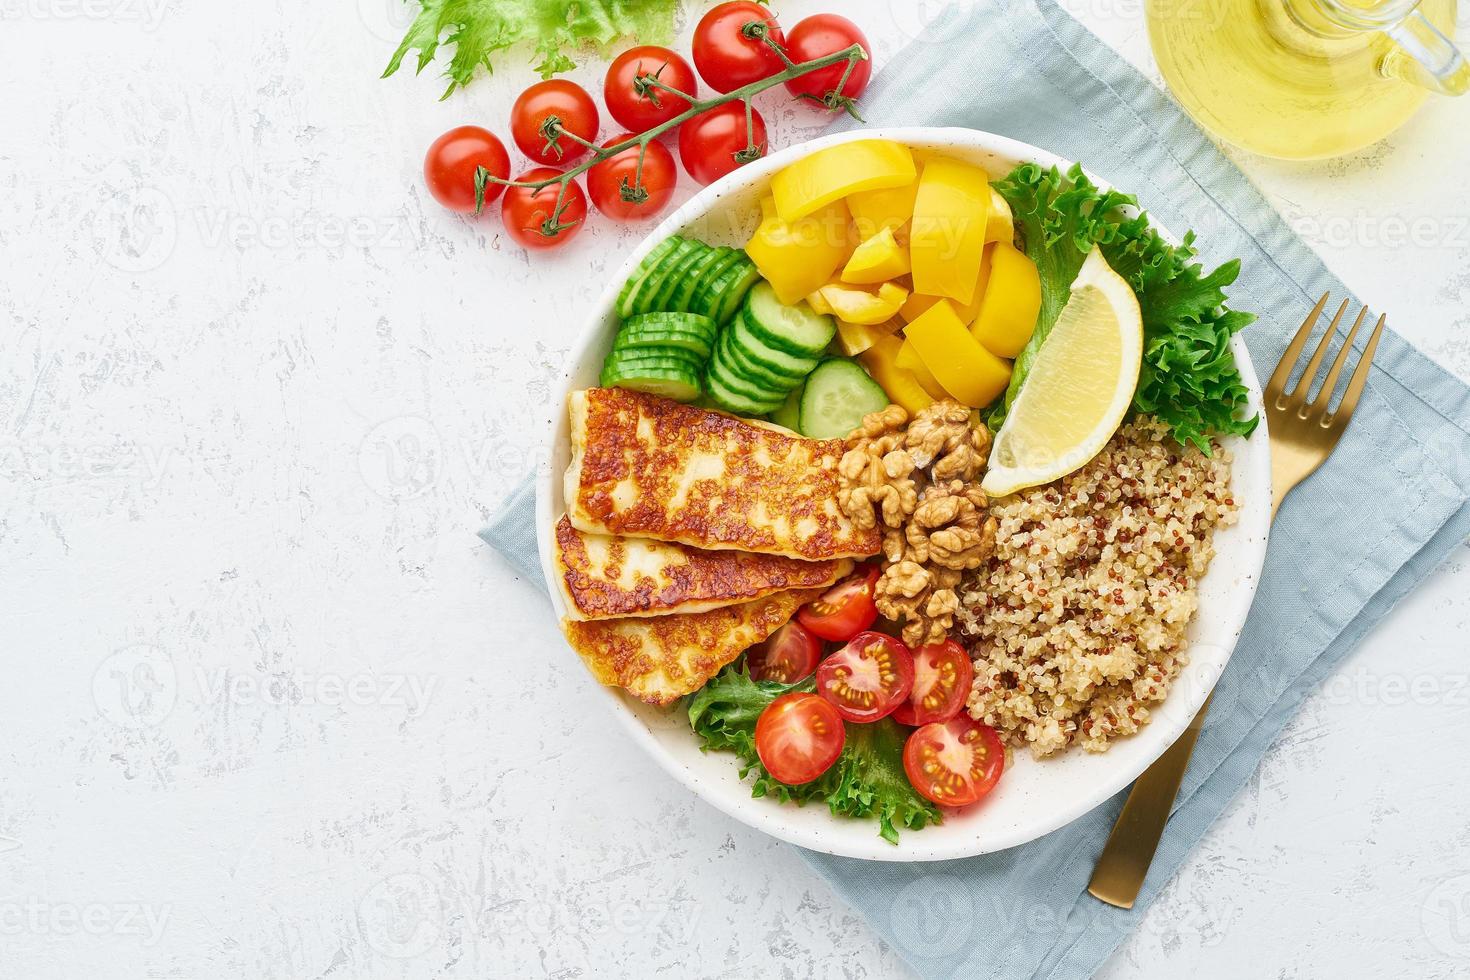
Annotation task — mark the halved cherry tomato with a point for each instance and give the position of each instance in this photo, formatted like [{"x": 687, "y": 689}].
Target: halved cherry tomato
[
  {"x": 716, "y": 141},
  {"x": 607, "y": 180},
  {"x": 528, "y": 214},
  {"x": 942, "y": 677},
  {"x": 787, "y": 655},
  {"x": 798, "y": 737},
  {"x": 450, "y": 165},
  {"x": 867, "y": 678},
  {"x": 844, "y": 610},
  {"x": 639, "y": 106},
  {"x": 824, "y": 34},
  {"x": 955, "y": 762},
  {"x": 573, "y": 109},
  {"x": 727, "y": 53}
]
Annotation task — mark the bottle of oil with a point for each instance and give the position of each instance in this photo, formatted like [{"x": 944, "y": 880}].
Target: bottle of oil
[{"x": 1305, "y": 79}]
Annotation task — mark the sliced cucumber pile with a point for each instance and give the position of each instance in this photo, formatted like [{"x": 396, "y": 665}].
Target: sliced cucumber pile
[
  {"x": 662, "y": 354},
  {"x": 682, "y": 275},
  {"x": 765, "y": 353},
  {"x": 836, "y": 397}
]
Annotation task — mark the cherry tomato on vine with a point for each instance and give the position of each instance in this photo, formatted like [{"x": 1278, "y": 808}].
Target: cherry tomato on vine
[
  {"x": 614, "y": 184},
  {"x": 787, "y": 655},
  {"x": 639, "y": 106},
  {"x": 573, "y": 109},
  {"x": 844, "y": 610},
  {"x": 942, "y": 678},
  {"x": 726, "y": 55},
  {"x": 798, "y": 737},
  {"x": 450, "y": 164},
  {"x": 823, "y": 34},
  {"x": 716, "y": 141},
  {"x": 528, "y": 214},
  {"x": 955, "y": 762},
  {"x": 868, "y": 678}
]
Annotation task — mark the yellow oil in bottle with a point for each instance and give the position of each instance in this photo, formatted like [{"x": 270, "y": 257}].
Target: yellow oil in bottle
[{"x": 1269, "y": 76}]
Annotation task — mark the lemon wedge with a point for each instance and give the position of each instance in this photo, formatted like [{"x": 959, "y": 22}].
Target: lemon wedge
[{"x": 1079, "y": 388}]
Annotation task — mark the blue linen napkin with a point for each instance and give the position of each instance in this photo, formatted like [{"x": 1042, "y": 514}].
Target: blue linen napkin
[{"x": 1385, "y": 510}]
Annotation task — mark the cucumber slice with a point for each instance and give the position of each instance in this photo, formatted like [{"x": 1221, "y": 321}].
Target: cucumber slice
[
  {"x": 706, "y": 296},
  {"x": 620, "y": 360},
  {"x": 755, "y": 389},
  {"x": 635, "y": 281},
  {"x": 646, "y": 292},
  {"x": 682, "y": 322},
  {"x": 777, "y": 362},
  {"x": 674, "y": 276},
  {"x": 667, "y": 376},
  {"x": 789, "y": 414},
  {"x": 794, "y": 329},
  {"x": 732, "y": 401},
  {"x": 745, "y": 366},
  {"x": 683, "y": 297},
  {"x": 837, "y": 396},
  {"x": 733, "y": 287},
  {"x": 696, "y": 342}
]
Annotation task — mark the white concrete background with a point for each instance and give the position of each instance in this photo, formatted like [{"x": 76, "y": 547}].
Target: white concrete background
[{"x": 271, "y": 710}]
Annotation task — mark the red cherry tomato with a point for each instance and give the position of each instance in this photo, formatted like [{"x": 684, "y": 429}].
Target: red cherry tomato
[
  {"x": 942, "y": 677},
  {"x": 844, "y": 610},
  {"x": 714, "y": 143},
  {"x": 798, "y": 737},
  {"x": 450, "y": 164},
  {"x": 639, "y": 106},
  {"x": 867, "y": 678},
  {"x": 824, "y": 34},
  {"x": 528, "y": 214},
  {"x": 955, "y": 762},
  {"x": 787, "y": 655},
  {"x": 607, "y": 180},
  {"x": 726, "y": 50},
  {"x": 573, "y": 109}
]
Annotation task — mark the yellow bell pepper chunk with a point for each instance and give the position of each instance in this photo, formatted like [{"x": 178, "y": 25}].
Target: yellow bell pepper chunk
[
  {"x": 969, "y": 372},
  {"x": 947, "y": 235},
  {"x": 818, "y": 179},
  {"x": 890, "y": 208},
  {"x": 798, "y": 257},
  {"x": 909, "y": 359},
  {"x": 876, "y": 260},
  {"x": 1000, "y": 226},
  {"x": 817, "y": 303},
  {"x": 1012, "y": 300},
  {"x": 854, "y": 338},
  {"x": 918, "y": 303},
  {"x": 860, "y": 306},
  {"x": 901, "y": 386}
]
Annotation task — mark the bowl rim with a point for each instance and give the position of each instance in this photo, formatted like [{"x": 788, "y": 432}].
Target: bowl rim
[{"x": 766, "y": 815}]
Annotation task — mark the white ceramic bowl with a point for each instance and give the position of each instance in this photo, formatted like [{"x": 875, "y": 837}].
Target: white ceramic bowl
[{"x": 1032, "y": 798}]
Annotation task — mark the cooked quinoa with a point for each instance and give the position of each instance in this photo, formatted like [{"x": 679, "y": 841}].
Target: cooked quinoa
[{"x": 1077, "y": 622}]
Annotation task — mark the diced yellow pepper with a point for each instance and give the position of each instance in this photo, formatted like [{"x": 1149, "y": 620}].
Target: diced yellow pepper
[
  {"x": 902, "y": 387},
  {"x": 818, "y": 179},
  {"x": 1012, "y": 300},
  {"x": 1000, "y": 226},
  {"x": 890, "y": 208},
  {"x": 969, "y": 372},
  {"x": 817, "y": 303},
  {"x": 878, "y": 259},
  {"x": 796, "y": 258},
  {"x": 854, "y": 338},
  {"x": 860, "y": 306},
  {"x": 919, "y": 303},
  {"x": 947, "y": 235},
  {"x": 910, "y": 361}
]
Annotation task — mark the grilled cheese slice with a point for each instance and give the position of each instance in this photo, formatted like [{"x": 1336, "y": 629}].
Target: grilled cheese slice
[
  {"x": 647, "y": 467},
  {"x": 604, "y": 577},
  {"x": 659, "y": 659}
]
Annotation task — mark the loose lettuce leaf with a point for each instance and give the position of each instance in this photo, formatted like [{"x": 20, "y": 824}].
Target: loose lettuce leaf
[
  {"x": 480, "y": 28},
  {"x": 867, "y": 780},
  {"x": 1189, "y": 379}
]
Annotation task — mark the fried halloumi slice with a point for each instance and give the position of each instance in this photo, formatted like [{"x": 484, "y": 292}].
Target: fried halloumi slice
[
  {"x": 647, "y": 467},
  {"x": 604, "y": 577},
  {"x": 659, "y": 659}
]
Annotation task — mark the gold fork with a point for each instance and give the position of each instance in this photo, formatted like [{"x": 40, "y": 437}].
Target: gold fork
[{"x": 1303, "y": 434}]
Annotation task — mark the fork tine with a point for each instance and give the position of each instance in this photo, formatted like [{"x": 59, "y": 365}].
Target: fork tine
[
  {"x": 1277, "y": 386},
  {"x": 1360, "y": 376},
  {"x": 1304, "y": 384},
  {"x": 1319, "y": 404}
]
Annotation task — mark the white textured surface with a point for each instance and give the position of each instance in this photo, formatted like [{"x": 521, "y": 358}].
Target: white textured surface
[{"x": 272, "y": 711}]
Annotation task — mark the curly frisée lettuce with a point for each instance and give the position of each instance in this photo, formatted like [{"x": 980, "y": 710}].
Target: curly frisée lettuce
[
  {"x": 480, "y": 28},
  {"x": 1189, "y": 379},
  {"x": 867, "y": 781}
]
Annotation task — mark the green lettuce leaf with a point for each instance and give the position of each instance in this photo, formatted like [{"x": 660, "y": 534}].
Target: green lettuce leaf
[
  {"x": 867, "y": 780},
  {"x": 1188, "y": 379},
  {"x": 480, "y": 28}
]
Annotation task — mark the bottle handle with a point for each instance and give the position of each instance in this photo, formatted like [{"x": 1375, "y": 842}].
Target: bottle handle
[{"x": 1424, "y": 56}]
